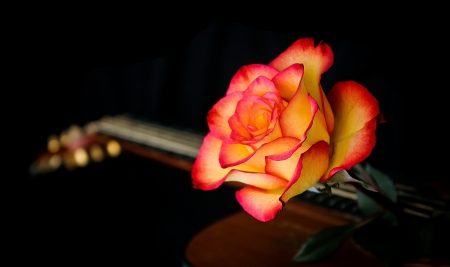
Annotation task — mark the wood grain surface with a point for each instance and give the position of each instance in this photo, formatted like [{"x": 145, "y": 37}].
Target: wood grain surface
[{"x": 241, "y": 240}]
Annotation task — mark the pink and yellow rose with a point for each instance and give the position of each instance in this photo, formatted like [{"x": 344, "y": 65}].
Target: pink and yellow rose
[{"x": 276, "y": 131}]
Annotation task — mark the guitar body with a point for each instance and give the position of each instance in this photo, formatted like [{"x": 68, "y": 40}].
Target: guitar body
[{"x": 240, "y": 240}]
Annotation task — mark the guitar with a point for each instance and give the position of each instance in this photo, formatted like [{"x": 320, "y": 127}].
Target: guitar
[{"x": 107, "y": 137}]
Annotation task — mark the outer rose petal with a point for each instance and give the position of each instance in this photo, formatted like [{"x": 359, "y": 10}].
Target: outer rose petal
[
  {"x": 288, "y": 81},
  {"x": 285, "y": 165},
  {"x": 355, "y": 111},
  {"x": 260, "y": 203},
  {"x": 206, "y": 171},
  {"x": 352, "y": 150},
  {"x": 298, "y": 116},
  {"x": 220, "y": 113},
  {"x": 316, "y": 61},
  {"x": 234, "y": 154},
  {"x": 318, "y": 130},
  {"x": 327, "y": 112},
  {"x": 303, "y": 51},
  {"x": 311, "y": 167},
  {"x": 256, "y": 179},
  {"x": 247, "y": 74},
  {"x": 283, "y": 147}
]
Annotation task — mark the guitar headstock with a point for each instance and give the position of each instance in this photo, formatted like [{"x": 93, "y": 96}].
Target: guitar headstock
[{"x": 73, "y": 148}]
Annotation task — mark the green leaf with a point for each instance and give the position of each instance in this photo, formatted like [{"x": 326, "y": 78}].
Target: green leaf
[
  {"x": 367, "y": 186},
  {"x": 383, "y": 181},
  {"x": 324, "y": 243},
  {"x": 387, "y": 187},
  {"x": 366, "y": 204}
]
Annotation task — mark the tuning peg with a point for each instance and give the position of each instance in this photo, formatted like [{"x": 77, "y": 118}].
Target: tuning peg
[
  {"x": 54, "y": 162},
  {"x": 69, "y": 161},
  {"x": 70, "y": 135},
  {"x": 96, "y": 153},
  {"x": 74, "y": 132},
  {"x": 81, "y": 157},
  {"x": 113, "y": 148},
  {"x": 53, "y": 144},
  {"x": 77, "y": 158}
]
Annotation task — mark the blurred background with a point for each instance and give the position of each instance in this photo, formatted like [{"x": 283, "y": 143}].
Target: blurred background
[{"x": 131, "y": 207}]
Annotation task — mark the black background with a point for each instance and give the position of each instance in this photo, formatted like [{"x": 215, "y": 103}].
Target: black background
[{"x": 132, "y": 208}]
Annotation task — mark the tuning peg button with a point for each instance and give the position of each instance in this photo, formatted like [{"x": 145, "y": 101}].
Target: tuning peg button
[
  {"x": 96, "y": 153},
  {"x": 113, "y": 148},
  {"x": 70, "y": 135},
  {"x": 54, "y": 162},
  {"x": 53, "y": 144},
  {"x": 77, "y": 158},
  {"x": 81, "y": 157}
]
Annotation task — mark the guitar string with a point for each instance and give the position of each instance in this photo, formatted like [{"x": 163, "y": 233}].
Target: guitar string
[{"x": 188, "y": 144}]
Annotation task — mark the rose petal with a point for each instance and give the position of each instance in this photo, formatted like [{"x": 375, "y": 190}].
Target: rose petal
[
  {"x": 206, "y": 171},
  {"x": 284, "y": 165},
  {"x": 298, "y": 116},
  {"x": 318, "y": 58},
  {"x": 276, "y": 133},
  {"x": 260, "y": 203},
  {"x": 233, "y": 155},
  {"x": 288, "y": 81},
  {"x": 261, "y": 86},
  {"x": 318, "y": 130},
  {"x": 258, "y": 110},
  {"x": 316, "y": 61},
  {"x": 238, "y": 133},
  {"x": 247, "y": 74},
  {"x": 327, "y": 111},
  {"x": 283, "y": 146},
  {"x": 220, "y": 113},
  {"x": 260, "y": 180},
  {"x": 355, "y": 113},
  {"x": 313, "y": 163},
  {"x": 249, "y": 107},
  {"x": 352, "y": 149}
]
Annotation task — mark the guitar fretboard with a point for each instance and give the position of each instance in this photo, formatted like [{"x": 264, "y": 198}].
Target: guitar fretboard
[
  {"x": 180, "y": 148},
  {"x": 148, "y": 134}
]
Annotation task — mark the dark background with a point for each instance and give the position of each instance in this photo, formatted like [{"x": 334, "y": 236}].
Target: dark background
[{"x": 131, "y": 208}]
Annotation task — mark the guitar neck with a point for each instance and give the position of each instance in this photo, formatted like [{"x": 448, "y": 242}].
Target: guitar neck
[
  {"x": 180, "y": 148},
  {"x": 170, "y": 146}
]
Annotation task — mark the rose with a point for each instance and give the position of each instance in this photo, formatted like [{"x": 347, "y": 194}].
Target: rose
[{"x": 276, "y": 132}]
